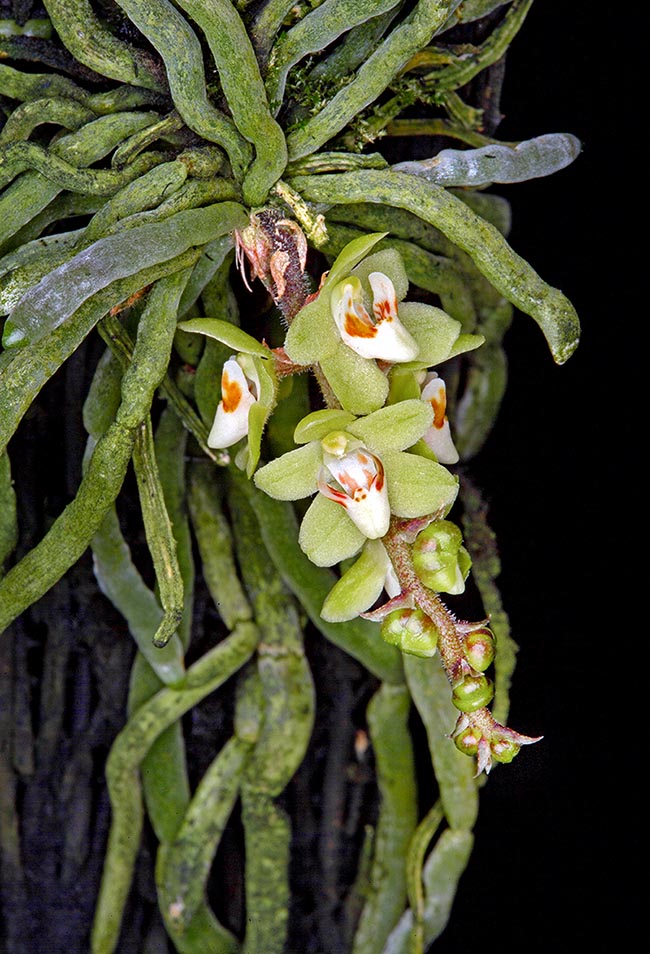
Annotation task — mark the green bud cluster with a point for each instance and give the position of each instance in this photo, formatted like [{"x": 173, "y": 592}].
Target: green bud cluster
[
  {"x": 468, "y": 739},
  {"x": 473, "y": 690}
]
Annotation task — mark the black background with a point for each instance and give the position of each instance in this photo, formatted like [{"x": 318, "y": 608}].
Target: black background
[{"x": 558, "y": 828}]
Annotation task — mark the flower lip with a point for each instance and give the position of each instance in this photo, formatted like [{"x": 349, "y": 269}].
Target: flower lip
[
  {"x": 438, "y": 437},
  {"x": 382, "y": 336},
  {"x": 363, "y": 492},
  {"x": 238, "y": 394}
]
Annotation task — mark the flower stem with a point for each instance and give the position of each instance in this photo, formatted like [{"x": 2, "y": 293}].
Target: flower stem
[{"x": 450, "y": 643}]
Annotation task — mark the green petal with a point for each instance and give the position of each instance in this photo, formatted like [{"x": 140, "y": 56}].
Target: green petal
[
  {"x": 227, "y": 333},
  {"x": 292, "y": 476},
  {"x": 327, "y": 535},
  {"x": 417, "y": 486},
  {"x": 359, "y": 586},
  {"x": 389, "y": 262},
  {"x": 394, "y": 427},
  {"x": 357, "y": 382},
  {"x": 318, "y": 424},
  {"x": 433, "y": 329}
]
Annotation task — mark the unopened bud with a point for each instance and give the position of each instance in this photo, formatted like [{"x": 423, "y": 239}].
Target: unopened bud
[
  {"x": 472, "y": 693},
  {"x": 439, "y": 558},
  {"x": 467, "y": 741},
  {"x": 479, "y": 649},
  {"x": 410, "y": 630},
  {"x": 504, "y": 750}
]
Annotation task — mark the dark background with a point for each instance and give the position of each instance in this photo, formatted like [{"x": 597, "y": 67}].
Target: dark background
[{"x": 558, "y": 829}]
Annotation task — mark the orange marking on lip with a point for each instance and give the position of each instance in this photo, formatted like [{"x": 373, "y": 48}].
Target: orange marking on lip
[
  {"x": 439, "y": 406},
  {"x": 357, "y": 322},
  {"x": 231, "y": 394},
  {"x": 384, "y": 309},
  {"x": 356, "y": 327},
  {"x": 347, "y": 481}
]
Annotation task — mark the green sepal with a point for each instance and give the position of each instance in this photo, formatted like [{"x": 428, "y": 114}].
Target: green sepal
[
  {"x": 359, "y": 587},
  {"x": 389, "y": 262},
  {"x": 227, "y": 333},
  {"x": 318, "y": 424},
  {"x": 394, "y": 427},
  {"x": 417, "y": 486},
  {"x": 357, "y": 382},
  {"x": 466, "y": 342},
  {"x": 313, "y": 335},
  {"x": 292, "y": 476},
  {"x": 403, "y": 385},
  {"x": 327, "y": 535}
]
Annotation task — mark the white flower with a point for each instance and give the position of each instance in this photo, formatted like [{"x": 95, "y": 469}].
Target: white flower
[
  {"x": 239, "y": 391},
  {"x": 361, "y": 489},
  {"x": 383, "y": 336},
  {"x": 438, "y": 437}
]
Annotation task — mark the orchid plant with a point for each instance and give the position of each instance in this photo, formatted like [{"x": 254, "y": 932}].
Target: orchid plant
[
  {"x": 375, "y": 460},
  {"x": 294, "y": 345}
]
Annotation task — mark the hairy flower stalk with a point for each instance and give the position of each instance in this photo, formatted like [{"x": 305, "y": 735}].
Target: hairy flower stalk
[
  {"x": 450, "y": 642},
  {"x": 476, "y": 732}
]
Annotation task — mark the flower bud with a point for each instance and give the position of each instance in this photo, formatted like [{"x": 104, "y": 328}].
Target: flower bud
[
  {"x": 410, "y": 630},
  {"x": 503, "y": 750},
  {"x": 472, "y": 692},
  {"x": 467, "y": 741},
  {"x": 479, "y": 649},
  {"x": 439, "y": 558}
]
